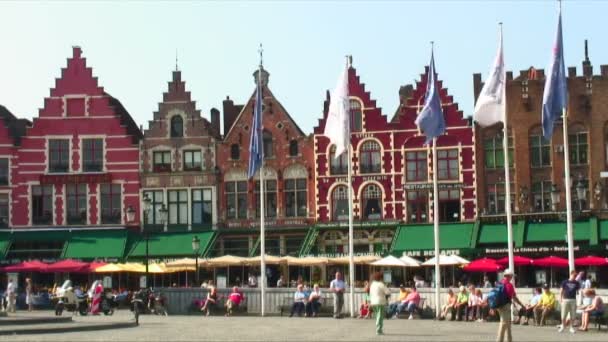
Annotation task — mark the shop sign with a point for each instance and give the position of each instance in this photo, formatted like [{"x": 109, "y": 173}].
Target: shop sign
[
  {"x": 342, "y": 255},
  {"x": 76, "y": 179},
  {"x": 431, "y": 253},
  {"x": 429, "y": 186},
  {"x": 550, "y": 249},
  {"x": 268, "y": 223},
  {"x": 370, "y": 224}
]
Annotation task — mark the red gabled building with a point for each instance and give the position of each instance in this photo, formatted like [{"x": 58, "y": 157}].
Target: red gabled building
[
  {"x": 390, "y": 166},
  {"x": 76, "y": 168}
]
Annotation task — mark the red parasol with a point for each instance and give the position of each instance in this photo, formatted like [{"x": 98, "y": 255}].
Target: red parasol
[
  {"x": 551, "y": 261},
  {"x": 483, "y": 265},
  {"x": 94, "y": 265},
  {"x": 27, "y": 266},
  {"x": 517, "y": 260},
  {"x": 591, "y": 260},
  {"x": 68, "y": 266}
]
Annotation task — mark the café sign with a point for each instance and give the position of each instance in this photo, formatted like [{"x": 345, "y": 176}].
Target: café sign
[
  {"x": 550, "y": 249},
  {"x": 431, "y": 253}
]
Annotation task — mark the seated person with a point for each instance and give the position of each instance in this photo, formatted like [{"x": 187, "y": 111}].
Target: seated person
[
  {"x": 545, "y": 306},
  {"x": 299, "y": 301},
  {"x": 410, "y": 304},
  {"x": 234, "y": 300},
  {"x": 484, "y": 308},
  {"x": 449, "y": 306},
  {"x": 210, "y": 302},
  {"x": 314, "y": 302},
  {"x": 474, "y": 306},
  {"x": 392, "y": 307},
  {"x": 528, "y": 311},
  {"x": 462, "y": 302},
  {"x": 595, "y": 309},
  {"x": 364, "y": 309}
]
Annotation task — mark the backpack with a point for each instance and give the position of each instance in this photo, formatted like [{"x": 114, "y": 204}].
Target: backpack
[{"x": 498, "y": 297}]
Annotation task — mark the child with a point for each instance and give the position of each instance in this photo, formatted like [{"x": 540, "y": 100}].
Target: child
[{"x": 364, "y": 309}]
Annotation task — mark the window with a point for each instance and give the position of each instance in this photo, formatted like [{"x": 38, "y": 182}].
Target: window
[
  {"x": 372, "y": 202},
  {"x": 339, "y": 201},
  {"x": 178, "y": 206},
  {"x": 111, "y": 208},
  {"x": 577, "y": 143},
  {"x": 293, "y": 148},
  {"x": 449, "y": 205},
  {"x": 356, "y": 116},
  {"x": 192, "y": 161},
  {"x": 496, "y": 198},
  {"x": 416, "y": 164},
  {"x": 295, "y": 197},
  {"x": 338, "y": 166},
  {"x": 370, "y": 157},
  {"x": 92, "y": 155},
  {"x": 59, "y": 155},
  {"x": 4, "y": 211},
  {"x": 270, "y": 193},
  {"x": 162, "y": 161},
  {"x": 494, "y": 152},
  {"x": 42, "y": 204},
  {"x": 236, "y": 199},
  {"x": 202, "y": 206},
  {"x": 267, "y": 140},
  {"x": 156, "y": 202},
  {"x": 235, "y": 152},
  {"x": 4, "y": 171},
  {"x": 541, "y": 195},
  {"x": 177, "y": 126},
  {"x": 76, "y": 203},
  {"x": 540, "y": 151},
  {"x": 417, "y": 206},
  {"x": 447, "y": 162}
]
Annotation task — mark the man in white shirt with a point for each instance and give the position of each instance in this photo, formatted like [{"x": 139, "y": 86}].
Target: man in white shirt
[
  {"x": 252, "y": 281},
  {"x": 10, "y": 296},
  {"x": 338, "y": 287}
]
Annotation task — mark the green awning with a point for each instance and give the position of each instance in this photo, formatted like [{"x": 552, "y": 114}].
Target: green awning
[
  {"x": 5, "y": 242},
  {"x": 40, "y": 235},
  {"x": 420, "y": 237},
  {"x": 96, "y": 244},
  {"x": 170, "y": 245},
  {"x": 556, "y": 231},
  {"x": 604, "y": 230},
  {"x": 493, "y": 233}
]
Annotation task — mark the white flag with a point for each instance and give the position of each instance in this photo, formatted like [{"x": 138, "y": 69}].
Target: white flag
[
  {"x": 337, "y": 125},
  {"x": 490, "y": 106}
]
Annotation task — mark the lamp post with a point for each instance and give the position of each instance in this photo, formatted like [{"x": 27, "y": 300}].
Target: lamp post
[
  {"x": 554, "y": 196},
  {"x": 581, "y": 194},
  {"x": 196, "y": 245},
  {"x": 147, "y": 202}
]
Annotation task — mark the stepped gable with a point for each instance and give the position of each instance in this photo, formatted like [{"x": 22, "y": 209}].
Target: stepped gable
[
  {"x": 76, "y": 78},
  {"x": 16, "y": 127},
  {"x": 412, "y": 103},
  {"x": 374, "y": 119}
]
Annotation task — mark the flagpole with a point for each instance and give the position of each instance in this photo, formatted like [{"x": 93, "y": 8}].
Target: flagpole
[
  {"x": 262, "y": 211},
  {"x": 436, "y": 230},
  {"x": 351, "y": 257},
  {"x": 567, "y": 185}
]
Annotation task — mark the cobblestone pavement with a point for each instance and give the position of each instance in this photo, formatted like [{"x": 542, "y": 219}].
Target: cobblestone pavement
[{"x": 197, "y": 328}]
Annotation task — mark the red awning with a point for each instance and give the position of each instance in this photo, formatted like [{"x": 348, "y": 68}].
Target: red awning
[
  {"x": 517, "y": 260},
  {"x": 27, "y": 266},
  {"x": 68, "y": 266},
  {"x": 483, "y": 265},
  {"x": 591, "y": 260},
  {"x": 94, "y": 265},
  {"x": 551, "y": 261}
]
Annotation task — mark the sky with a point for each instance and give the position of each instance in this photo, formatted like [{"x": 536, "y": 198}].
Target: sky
[{"x": 132, "y": 47}]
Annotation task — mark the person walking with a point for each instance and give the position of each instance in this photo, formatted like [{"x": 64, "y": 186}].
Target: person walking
[
  {"x": 11, "y": 296},
  {"x": 29, "y": 294},
  {"x": 377, "y": 297},
  {"x": 505, "y": 310},
  {"x": 567, "y": 296},
  {"x": 338, "y": 286}
]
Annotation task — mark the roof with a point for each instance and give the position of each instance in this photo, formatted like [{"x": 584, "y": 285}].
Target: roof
[
  {"x": 16, "y": 127},
  {"x": 126, "y": 119}
]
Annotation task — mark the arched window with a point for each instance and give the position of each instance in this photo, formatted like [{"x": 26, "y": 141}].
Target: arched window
[
  {"x": 370, "y": 157},
  {"x": 339, "y": 203},
  {"x": 235, "y": 152},
  {"x": 293, "y": 148},
  {"x": 268, "y": 150},
  {"x": 372, "y": 202},
  {"x": 338, "y": 166},
  {"x": 356, "y": 116},
  {"x": 177, "y": 127}
]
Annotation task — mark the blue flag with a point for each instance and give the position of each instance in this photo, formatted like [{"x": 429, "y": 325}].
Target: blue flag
[
  {"x": 430, "y": 119},
  {"x": 555, "y": 96},
  {"x": 256, "y": 146}
]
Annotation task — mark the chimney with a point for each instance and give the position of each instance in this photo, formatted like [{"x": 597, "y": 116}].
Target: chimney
[
  {"x": 604, "y": 70},
  {"x": 509, "y": 75},
  {"x": 215, "y": 121},
  {"x": 229, "y": 114},
  {"x": 587, "y": 67},
  {"x": 571, "y": 72},
  {"x": 76, "y": 51},
  {"x": 265, "y": 75},
  {"x": 405, "y": 92},
  {"x": 477, "y": 85}
]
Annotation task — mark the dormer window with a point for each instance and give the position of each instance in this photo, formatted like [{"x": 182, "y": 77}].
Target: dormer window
[
  {"x": 293, "y": 148},
  {"x": 268, "y": 150},
  {"x": 177, "y": 127},
  {"x": 235, "y": 152}
]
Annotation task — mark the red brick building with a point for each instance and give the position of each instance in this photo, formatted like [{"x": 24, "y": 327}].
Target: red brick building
[
  {"x": 76, "y": 167},
  {"x": 390, "y": 167},
  {"x": 288, "y": 167}
]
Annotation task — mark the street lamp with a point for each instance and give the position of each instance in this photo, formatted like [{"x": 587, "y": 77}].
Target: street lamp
[
  {"x": 581, "y": 194},
  {"x": 196, "y": 245},
  {"x": 130, "y": 214},
  {"x": 147, "y": 203},
  {"x": 163, "y": 215},
  {"x": 554, "y": 196}
]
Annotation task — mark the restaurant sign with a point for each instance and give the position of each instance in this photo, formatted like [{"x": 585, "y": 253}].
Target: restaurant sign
[
  {"x": 431, "y": 253},
  {"x": 550, "y": 249},
  {"x": 429, "y": 186},
  {"x": 76, "y": 179},
  {"x": 366, "y": 224}
]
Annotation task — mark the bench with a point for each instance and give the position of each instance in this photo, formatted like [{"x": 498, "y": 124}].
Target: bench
[
  {"x": 326, "y": 308},
  {"x": 420, "y": 310},
  {"x": 219, "y": 309}
]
